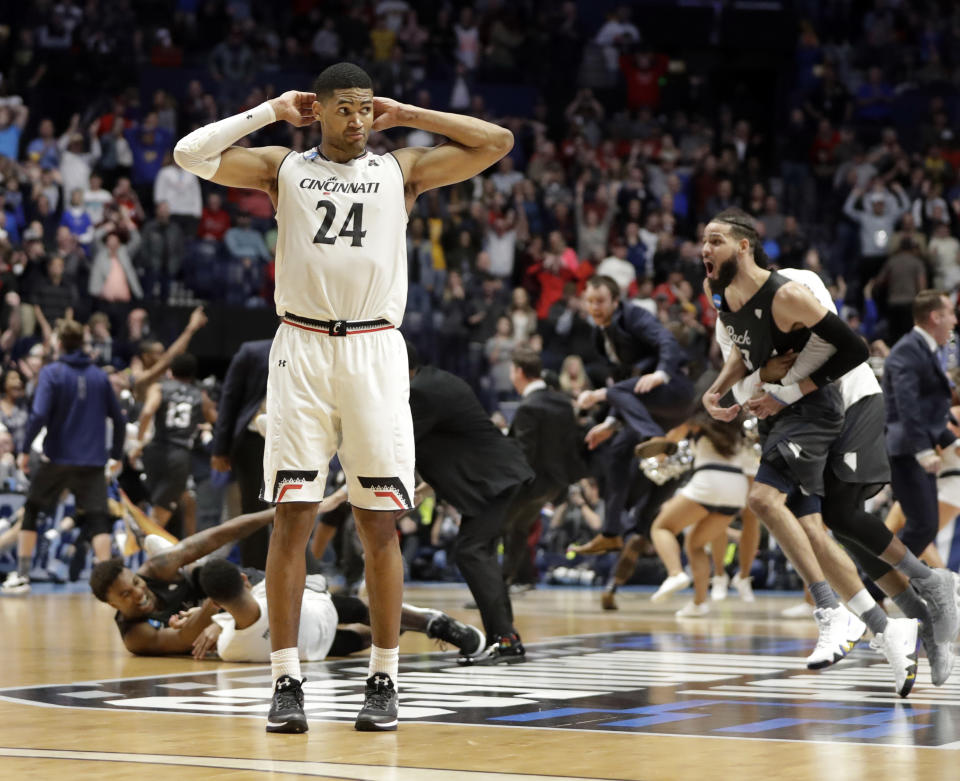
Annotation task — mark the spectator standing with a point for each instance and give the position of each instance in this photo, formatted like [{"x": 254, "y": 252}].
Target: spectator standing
[
  {"x": 113, "y": 279},
  {"x": 13, "y": 119},
  {"x": 904, "y": 276},
  {"x": 13, "y": 409},
  {"x": 876, "y": 220},
  {"x": 244, "y": 241},
  {"x": 76, "y": 164},
  {"x": 161, "y": 253},
  {"x": 77, "y": 220},
  {"x": 56, "y": 296},
  {"x": 214, "y": 219},
  {"x": 181, "y": 191},
  {"x": 74, "y": 401}
]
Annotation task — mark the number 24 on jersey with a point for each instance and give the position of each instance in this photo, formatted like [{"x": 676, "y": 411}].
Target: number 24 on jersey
[{"x": 352, "y": 226}]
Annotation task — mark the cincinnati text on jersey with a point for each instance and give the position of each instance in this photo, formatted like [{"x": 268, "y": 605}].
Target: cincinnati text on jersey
[{"x": 335, "y": 186}]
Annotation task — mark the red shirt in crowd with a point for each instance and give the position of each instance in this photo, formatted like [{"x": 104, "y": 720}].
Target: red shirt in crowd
[{"x": 213, "y": 224}]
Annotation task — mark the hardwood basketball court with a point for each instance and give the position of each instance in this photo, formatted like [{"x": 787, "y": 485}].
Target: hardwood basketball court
[{"x": 634, "y": 694}]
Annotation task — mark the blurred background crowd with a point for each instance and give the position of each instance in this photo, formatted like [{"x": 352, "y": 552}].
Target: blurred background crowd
[{"x": 832, "y": 122}]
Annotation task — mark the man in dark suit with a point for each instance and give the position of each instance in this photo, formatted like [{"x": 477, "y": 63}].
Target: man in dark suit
[
  {"x": 470, "y": 464},
  {"x": 546, "y": 430},
  {"x": 237, "y": 445},
  {"x": 917, "y": 397},
  {"x": 650, "y": 395}
]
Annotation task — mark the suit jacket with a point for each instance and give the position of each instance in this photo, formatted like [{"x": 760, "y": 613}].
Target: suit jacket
[
  {"x": 244, "y": 389},
  {"x": 641, "y": 343},
  {"x": 916, "y": 394},
  {"x": 546, "y": 430},
  {"x": 459, "y": 451}
]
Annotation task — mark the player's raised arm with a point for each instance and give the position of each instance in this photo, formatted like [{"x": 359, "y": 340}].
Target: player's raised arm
[
  {"x": 209, "y": 153},
  {"x": 473, "y": 146}
]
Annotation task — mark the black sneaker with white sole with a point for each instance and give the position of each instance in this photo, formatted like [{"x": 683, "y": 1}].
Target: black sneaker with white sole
[
  {"x": 447, "y": 629},
  {"x": 379, "y": 711},
  {"x": 286, "y": 710}
]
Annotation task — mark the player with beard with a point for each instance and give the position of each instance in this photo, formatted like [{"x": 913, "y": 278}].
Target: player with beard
[
  {"x": 856, "y": 470},
  {"x": 765, "y": 314}
]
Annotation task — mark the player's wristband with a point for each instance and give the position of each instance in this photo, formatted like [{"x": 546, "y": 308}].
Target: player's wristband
[{"x": 785, "y": 394}]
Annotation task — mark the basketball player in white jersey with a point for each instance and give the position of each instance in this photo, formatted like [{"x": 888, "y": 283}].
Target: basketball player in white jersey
[{"x": 338, "y": 368}]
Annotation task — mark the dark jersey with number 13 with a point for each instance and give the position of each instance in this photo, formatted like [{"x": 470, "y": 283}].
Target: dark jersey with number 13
[{"x": 179, "y": 415}]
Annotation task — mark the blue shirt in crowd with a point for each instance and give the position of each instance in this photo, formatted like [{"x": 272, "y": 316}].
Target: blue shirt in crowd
[{"x": 74, "y": 399}]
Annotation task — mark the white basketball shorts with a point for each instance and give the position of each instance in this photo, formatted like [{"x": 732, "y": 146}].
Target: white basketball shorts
[{"x": 339, "y": 394}]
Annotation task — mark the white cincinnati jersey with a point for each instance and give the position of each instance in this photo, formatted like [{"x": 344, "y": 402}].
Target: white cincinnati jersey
[
  {"x": 318, "y": 625},
  {"x": 341, "y": 240}
]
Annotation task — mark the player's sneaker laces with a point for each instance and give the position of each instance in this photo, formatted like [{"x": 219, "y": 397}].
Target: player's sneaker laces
[
  {"x": 939, "y": 655},
  {"x": 939, "y": 591},
  {"x": 15, "y": 584},
  {"x": 286, "y": 710},
  {"x": 379, "y": 711},
  {"x": 673, "y": 583},
  {"x": 832, "y": 644},
  {"x": 899, "y": 644},
  {"x": 744, "y": 587},
  {"x": 447, "y": 629},
  {"x": 719, "y": 585}
]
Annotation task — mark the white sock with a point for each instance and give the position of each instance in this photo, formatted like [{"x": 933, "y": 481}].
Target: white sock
[
  {"x": 385, "y": 660},
  {"x": 286, "y": 661},
  {"x": 861, "y": 602}
]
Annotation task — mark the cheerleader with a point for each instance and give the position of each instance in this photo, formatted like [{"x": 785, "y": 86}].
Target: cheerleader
[{"x": 703, "y": 508}]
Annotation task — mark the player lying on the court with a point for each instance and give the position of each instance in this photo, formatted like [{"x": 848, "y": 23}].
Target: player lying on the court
[
  {"x": 146, "y": 599},
  {"x": 330, "y": 625}
]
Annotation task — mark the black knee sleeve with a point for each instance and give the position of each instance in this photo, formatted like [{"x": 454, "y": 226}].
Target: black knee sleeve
[
  {"x": 843, "y": 513},
  {"x": 873, "y": 567}
]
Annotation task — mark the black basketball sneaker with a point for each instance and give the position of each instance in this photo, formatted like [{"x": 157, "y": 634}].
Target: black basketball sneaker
[
  {"x": 286, "y": 710},
  {"x": 379, "y": 711},
  {"x": 465, "y": 637}
]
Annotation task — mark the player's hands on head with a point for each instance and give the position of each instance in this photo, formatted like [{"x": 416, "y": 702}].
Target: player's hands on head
[
  {"x": 711, "y": 403},
  {"x": 295, "y": 107},
  {"x": 388, "y": 113}
]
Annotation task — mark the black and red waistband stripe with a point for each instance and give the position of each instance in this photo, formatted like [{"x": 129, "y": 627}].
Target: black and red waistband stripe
[{"x": 336, "y": 327}]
